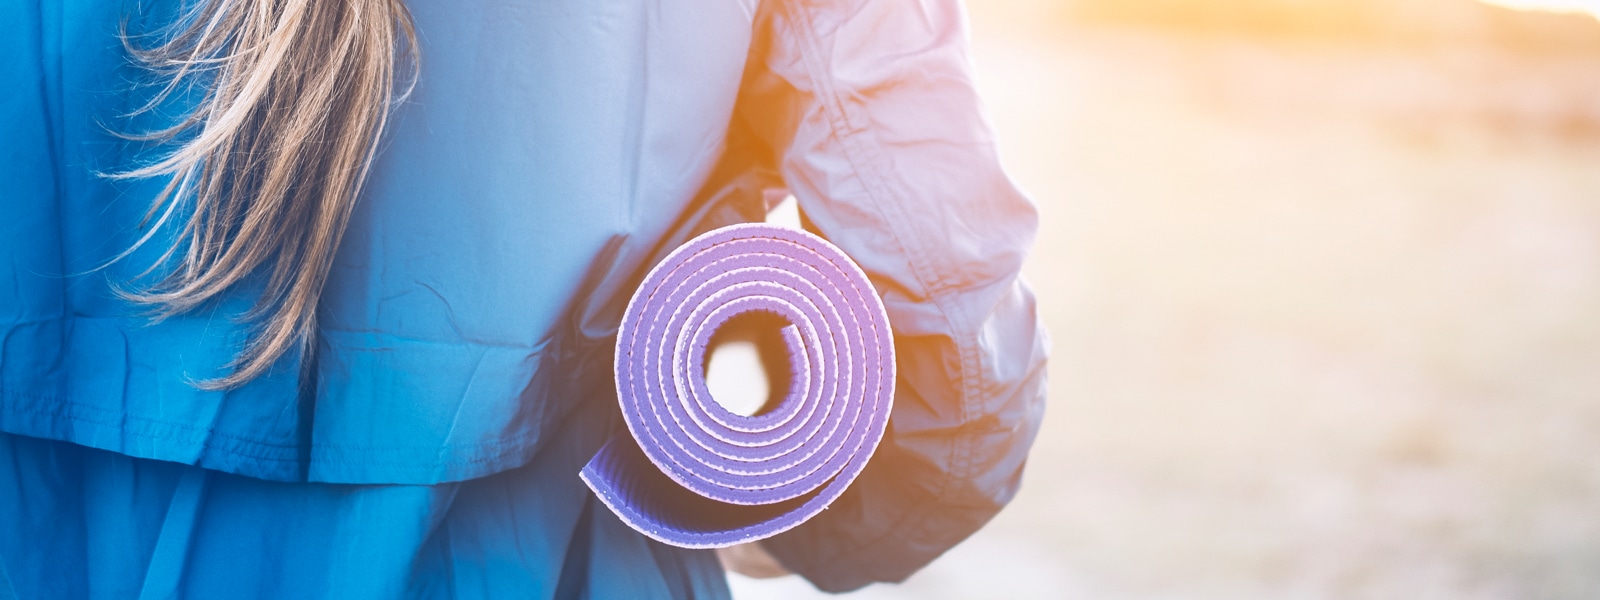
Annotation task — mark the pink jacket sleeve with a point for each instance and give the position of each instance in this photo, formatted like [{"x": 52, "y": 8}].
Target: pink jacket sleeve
[{"x": 868, "y": 111}]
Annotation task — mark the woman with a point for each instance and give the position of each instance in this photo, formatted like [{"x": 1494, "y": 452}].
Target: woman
[{"x": 341, "y": 328}]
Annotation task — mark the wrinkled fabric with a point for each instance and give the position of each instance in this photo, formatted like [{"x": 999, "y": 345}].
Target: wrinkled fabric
[
  {"x": 550, "y": 154},
  {"x": 86, "y": 524},
  {"x": 869, "y": 111}
]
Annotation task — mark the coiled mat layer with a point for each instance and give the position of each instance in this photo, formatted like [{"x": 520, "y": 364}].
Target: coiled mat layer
[{"x": 697, "y": 475}]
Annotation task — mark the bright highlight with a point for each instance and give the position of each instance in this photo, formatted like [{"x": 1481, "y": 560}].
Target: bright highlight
[{"x": 1591, "y": 7}]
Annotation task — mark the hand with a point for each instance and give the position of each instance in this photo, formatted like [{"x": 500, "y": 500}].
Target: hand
[{"x": 751, "y": 560}]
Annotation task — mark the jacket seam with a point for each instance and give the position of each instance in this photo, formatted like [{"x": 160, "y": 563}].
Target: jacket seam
[{"x": 123, "y": 416}]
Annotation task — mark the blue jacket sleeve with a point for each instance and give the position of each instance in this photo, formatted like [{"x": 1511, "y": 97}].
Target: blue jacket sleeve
[{"x": 868, "y": 110}]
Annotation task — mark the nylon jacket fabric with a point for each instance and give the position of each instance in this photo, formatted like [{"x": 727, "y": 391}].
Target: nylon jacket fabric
[
  {"x": 550, "y": 154},
  {"x": 81, "y": 523}
]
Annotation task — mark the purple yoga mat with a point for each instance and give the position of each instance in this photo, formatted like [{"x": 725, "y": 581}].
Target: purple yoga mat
[{"x": 693, "y": 473}]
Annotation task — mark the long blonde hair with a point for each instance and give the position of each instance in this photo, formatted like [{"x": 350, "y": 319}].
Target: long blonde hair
[{"x": 272, "y": 158}]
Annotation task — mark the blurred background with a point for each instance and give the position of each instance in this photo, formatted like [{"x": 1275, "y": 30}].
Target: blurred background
[{"x": 1323, "y": 278}]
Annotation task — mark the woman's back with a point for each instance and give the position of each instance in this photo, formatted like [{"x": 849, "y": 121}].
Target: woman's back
[
  {"x": 539, "y": 163},
  {"x": 549, "y": 154}
]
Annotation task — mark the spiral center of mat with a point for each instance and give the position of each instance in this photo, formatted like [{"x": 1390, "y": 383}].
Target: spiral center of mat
[
  {"x": 693, "y": 473},
  {"x": 747, "y": 366}
]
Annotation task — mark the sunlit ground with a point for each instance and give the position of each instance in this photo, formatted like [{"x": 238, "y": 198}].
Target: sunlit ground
[{"x": 1326, "y": 321}]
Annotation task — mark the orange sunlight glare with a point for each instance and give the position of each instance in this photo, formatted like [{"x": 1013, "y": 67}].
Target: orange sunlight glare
[{"x": 1578, "y": 6}]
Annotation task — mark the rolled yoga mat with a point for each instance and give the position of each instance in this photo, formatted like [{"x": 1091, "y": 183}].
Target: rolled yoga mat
[{"x": 696, "y": 475}]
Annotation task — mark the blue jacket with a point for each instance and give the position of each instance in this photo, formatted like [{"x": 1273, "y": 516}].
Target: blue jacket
[{"x": 551, "y": 153}]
